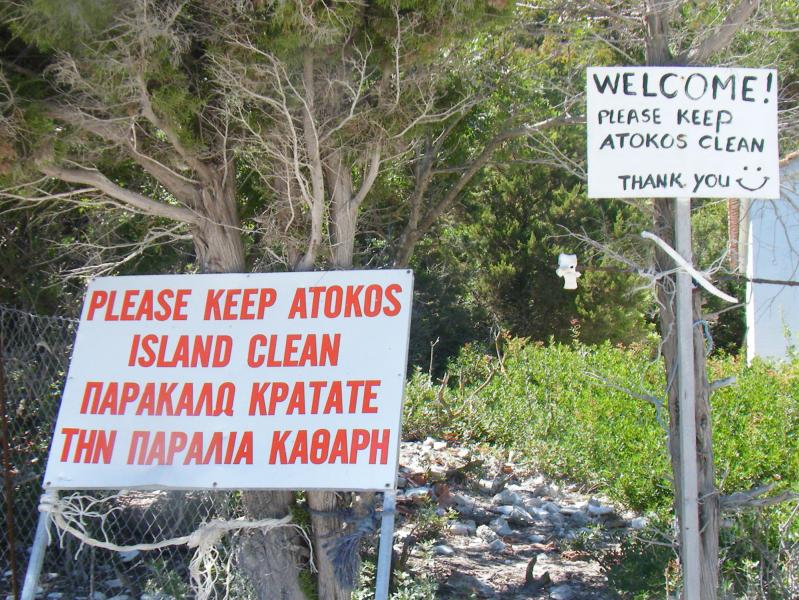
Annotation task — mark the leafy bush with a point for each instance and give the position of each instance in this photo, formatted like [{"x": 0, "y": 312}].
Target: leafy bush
[{"x": 549, "y": 403}]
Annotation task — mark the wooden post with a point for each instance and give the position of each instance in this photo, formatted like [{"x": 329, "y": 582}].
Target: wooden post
[{"x": 690, "y": 545}]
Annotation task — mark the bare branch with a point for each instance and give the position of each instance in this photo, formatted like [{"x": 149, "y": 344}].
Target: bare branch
[
  {"x": 412, "y": 233},
  {"x": 122, "y": 132},
  {"x": 754, "y": 499},
  {"x": 191, "y": 159},
  {"x": 369, "y": 177},
  {"x": 130, "y": 198},
  {"x": 721, "y": 36}
]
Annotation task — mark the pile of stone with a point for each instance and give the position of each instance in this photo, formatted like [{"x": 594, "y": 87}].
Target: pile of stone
[{"x": 510, "y": 533}]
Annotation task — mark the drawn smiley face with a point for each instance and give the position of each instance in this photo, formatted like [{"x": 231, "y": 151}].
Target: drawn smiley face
[{"x": 749, "y": 186}]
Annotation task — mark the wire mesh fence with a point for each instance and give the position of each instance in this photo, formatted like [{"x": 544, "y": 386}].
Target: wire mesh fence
[{"x": 34, "y": 356}]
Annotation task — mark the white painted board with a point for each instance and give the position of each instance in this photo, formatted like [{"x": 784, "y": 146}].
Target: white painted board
[
  {"x": 236, "y": 381},
  {"x": 772, "y": 310},
  {"x": 658, "y": 132}
]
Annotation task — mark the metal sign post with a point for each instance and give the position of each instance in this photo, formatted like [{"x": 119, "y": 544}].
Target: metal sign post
[
  {"x": 383, "y": 575},
  {"x": 40, "y": 542}
]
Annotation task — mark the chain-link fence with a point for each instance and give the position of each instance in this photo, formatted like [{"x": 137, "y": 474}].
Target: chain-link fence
[{"x": 34, "y": 359}]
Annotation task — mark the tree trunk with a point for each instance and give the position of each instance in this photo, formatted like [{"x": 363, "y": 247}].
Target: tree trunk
[
  {"x": 217, "y": 239},
  {"x": 708, "y": 495},
  {"x": 326, "y": 518},
  {"x": 271, "y": 561},
  {"x": 327, "y": 526},
  {"x": 344, "y": 211}
]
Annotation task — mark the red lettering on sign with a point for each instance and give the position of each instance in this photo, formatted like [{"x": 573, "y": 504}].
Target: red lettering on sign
[
  {"x": 323, "y": 446},
  {"x": 185, "y": 351},
  {"x": 140, "y": 305},
  {"x": 168, "y": 447},
  {"x": 92, "y": 446},
  {"x": 351, "y": 301},
  {"x": 237, "y": 303},
  {"x": 321, "y": 397}
]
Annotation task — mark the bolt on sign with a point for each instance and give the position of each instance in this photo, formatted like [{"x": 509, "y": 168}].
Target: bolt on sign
[
  {"x": 661, "y": 132},
  {"x": 236, "y": 381}
]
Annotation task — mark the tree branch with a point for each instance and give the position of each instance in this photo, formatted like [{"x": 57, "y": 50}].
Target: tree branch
[
  {"x": 122, "y": 133},
  {"x": 369, "y": 178},
  {"x": 719, "y": 37},
  {"x": 133, "y": 199},
  {"x": 191, "y": 159},
  {"x": 754, "y": 499}
]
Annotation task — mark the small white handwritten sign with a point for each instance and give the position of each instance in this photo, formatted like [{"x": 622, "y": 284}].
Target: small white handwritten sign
[{"x": 682, "y": 131}]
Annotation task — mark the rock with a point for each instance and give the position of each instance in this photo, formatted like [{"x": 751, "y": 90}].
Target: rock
[
  {"x": 401, "y": 482},
  {"x": 551, "y": 507},
  {"x": 485, "y": 485},
  {"x": 439, "y": 445},
  {"x": 563, "y": 592},
  {"x": 615, "y": 523},
  {"x": 417, "y": 492},
  {"x": 500, "y": 526},
  {"x": 484, "y": 532},
  {"x": 507, "y": 497},
  {"x": 497, "y": 546},
  {"x": 639, "y": 522},
  {"x": 580, "y": 519},
  {"x": 443, "y": 550},
  {"x": 120, "y": 597},
  {"x": 428, "y": 442},
  {"x": 539, "y": 514},
  {"x": 113, "y": 584},
  {"x": 465, "y": 528},
  {"x": 465, "y": 586},
  {"x": 55, "y": 595},
  {"x": 597, "y": 510},
  {"x": 536, "y": 538},
  {"x": 98, "y": 596}
]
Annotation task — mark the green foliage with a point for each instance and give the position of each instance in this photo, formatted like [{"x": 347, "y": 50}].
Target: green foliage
[
  {"x": 637, "y": 568},
  {"x": 406, "y": 586},
  {"x": 555, "y": 403},
  {"x": 58, "y": 25},
  {"x": 164, "y": 580},
  {"x": 756, "y": 424}
]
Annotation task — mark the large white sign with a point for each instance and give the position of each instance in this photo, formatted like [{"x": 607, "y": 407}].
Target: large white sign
[
  {"x": 236, "y": 381},
  {"x": 682, "y": 131}
]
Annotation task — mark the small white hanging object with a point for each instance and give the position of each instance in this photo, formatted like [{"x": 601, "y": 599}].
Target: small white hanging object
[{"x": 567, "y": 268}]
